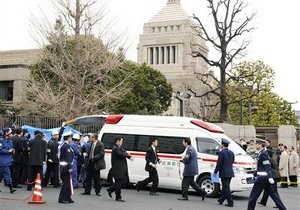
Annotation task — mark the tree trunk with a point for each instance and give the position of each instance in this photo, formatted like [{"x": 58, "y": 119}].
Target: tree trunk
[{"x": 223, "y": 85}]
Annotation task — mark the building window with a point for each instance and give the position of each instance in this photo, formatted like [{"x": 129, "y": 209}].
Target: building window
[
  {"x": 6, "y": 90},
  {"x": 153, "y": 29}
]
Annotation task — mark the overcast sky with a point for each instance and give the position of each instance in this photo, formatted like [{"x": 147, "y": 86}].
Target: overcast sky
[{"x": 275, "y": 41}]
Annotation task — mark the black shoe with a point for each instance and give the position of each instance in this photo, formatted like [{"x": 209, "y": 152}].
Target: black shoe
[
  {"x": 71, "y": 201},
  {"x": 229, "y": 205},
  {"x": 109, "y": 193},
  {"x": 137, "y": 187},
  {"x": 98, "y": 194},
  {"x": 220, "y": 201},
  {"x": 29, "y": 189},
  {"x": 12, "y": 191},
  {"x": 182, "y": 198},
  {"x": 65, "y": 202},
  {"x": 120, "y": 200},
  {"x": 275, "y": 207},
  {"x": 154, "y": 193},
  {"x": 204, "y": 196},
  {"x": 85, "y": 193},
  {"x": 263, "y": 204}
]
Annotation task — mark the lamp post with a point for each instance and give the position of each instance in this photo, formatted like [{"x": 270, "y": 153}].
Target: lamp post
[{"x": 181, "y": 103}]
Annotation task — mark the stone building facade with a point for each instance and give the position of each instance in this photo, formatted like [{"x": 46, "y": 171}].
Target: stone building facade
[
  {"x": 165, "y": 45},
  {"x": 14, "y": 69}
]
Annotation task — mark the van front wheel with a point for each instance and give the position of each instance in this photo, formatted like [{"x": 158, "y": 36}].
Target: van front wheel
[{"x": 205, "y": 183}]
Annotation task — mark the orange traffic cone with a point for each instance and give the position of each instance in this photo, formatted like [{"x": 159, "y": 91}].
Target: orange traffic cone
[{"x": 37, "y": 193}]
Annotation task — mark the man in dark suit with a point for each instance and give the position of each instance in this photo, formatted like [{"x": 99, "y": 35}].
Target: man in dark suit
[
  {"x": 224, "y": 167},
  {"x": 17, "y": 158},
  {"x": 25, "y": 156},
  {"x": 52, "y": 159},
  {"x": 38, "y": 148},
  {"x": 190, "y": 161},
  {"x": 264, "y": 179},
  {"x": 151, "y": 165},
  {"x": 119, "y": 169},
  {"x": 66, "y": 167},
  {"x": 95, "y": 164}
]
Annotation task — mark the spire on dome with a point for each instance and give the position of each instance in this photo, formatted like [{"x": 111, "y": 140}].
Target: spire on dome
[{"x": 173, "y": 2}]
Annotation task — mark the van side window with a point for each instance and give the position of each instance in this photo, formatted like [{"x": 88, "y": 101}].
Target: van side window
[
  {"x": 143, "y": 143},
  {"x": 171, "y": 145},
  {"x": 108, "y": 140},
  {"x": 207, "y": 146}
]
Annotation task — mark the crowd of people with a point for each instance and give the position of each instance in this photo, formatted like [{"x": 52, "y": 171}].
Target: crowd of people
[
  {"x": 287, "y": 160},
  {"x": 22, "y": 158}
]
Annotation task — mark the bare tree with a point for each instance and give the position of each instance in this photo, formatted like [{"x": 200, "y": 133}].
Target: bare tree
[
  {"x": 78, "y": 72},
  {"x": 231, "y": 26}
]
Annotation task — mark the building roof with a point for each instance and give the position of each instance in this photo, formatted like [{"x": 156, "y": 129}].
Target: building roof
[{"x": 170, "y": 12}]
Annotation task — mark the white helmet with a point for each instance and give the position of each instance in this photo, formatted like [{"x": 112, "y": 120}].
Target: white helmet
[
  {"x": 55, "y": 132},
  {"x": 76, "y": 136}
]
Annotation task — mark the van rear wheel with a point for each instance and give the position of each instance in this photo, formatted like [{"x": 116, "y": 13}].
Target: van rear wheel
[{"x": 205, "y": 183}]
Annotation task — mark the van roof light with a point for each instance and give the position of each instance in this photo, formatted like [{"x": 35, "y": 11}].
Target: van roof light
[
  {"x": 113, "y": 119},
  {"x": 208, "y": 126}
]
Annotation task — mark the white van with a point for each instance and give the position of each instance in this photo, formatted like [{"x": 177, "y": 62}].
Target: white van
[{"x": 137, "y": 131}]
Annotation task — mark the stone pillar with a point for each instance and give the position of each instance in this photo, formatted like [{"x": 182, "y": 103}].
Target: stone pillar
[{"x": 287, "y": 135}]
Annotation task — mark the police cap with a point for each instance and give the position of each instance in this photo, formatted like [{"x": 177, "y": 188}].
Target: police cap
[
  {"x": 261, "y": 141},
  {"x": 76, "y": 136},
  {"x": 37, "y": 132},
  {"x": 68, "y": 133},
  {"x": 7, "y": 131},
  {"x": 224, "y": 141}
]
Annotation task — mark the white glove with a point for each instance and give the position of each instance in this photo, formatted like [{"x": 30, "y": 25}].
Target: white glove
[
  {"x": 271, "y": 181},
  {"x": 63, "y": 124}
]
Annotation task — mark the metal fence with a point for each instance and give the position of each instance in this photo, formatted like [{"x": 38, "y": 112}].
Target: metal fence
[{"x": 43, "y": 122}]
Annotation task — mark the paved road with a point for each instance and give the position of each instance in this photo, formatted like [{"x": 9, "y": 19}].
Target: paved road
[{"x": 138, "y": 201}]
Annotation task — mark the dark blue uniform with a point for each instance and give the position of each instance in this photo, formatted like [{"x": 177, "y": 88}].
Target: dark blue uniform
[
  {"x": 224, "y": 167},
  {"x": 5, "y": 159},
  {"x": 263, "y": 174},
  {"x": 66, "y": 165}
]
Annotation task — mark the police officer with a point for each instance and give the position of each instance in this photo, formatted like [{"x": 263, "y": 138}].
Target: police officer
[
  {"x": 74, "y": 146},
  {"x": 224, "y": 167},
  {"x": 264, "y": 179},
  {"x": 6, "y": 151},
  {"x": 66, "y": 167}
]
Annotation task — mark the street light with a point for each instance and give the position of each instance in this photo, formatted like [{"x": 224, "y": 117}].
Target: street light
[{"x": 181, "y": 103}]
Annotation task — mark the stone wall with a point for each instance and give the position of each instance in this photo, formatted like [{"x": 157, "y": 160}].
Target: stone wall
[{"x": 14, "y": 66}]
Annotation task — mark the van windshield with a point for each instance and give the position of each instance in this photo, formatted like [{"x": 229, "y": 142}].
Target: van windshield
[{"x": 233, "y": 146}]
